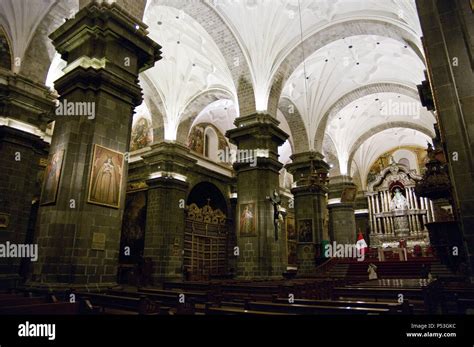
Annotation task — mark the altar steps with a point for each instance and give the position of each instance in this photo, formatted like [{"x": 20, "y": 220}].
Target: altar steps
[{"x": 351, "y": 269}]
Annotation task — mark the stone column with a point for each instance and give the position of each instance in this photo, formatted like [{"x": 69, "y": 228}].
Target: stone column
[
  {"x": 447, "y": 36},
  {"x": 260, "y": 255},
  {"x": 371, "y": 214},
  {"x": 409, "y": 198},
  {"x": 21, "y": 161},
  {"x": 342, "y": 226},
  {"x": 379, "y": 220},
  {"x": 168, "y": 165},
  {"x": 25, "y": 109},
  {"x": 310, "y": 171},
  {"x": 79, "y": 236},
  {"x": 433, "y": 218}
]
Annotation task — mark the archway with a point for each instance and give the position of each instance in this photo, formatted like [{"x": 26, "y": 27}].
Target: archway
[{"x": 206, "y": 234}]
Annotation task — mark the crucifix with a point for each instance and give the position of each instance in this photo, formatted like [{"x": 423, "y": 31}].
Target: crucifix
[{"x": 277, "y": 213}]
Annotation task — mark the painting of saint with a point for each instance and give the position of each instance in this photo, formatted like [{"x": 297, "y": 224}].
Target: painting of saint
[
  {"x": 51, "y": 178},
  {"x": 305, "y": 230},
  {"x": 247, "y": 220},
  {"x": 106, "y": 177},
  {"x": 141, "y": 134}
]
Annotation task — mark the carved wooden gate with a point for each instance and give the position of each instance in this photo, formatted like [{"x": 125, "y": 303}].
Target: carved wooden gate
[{"x": 205, "y": 243}]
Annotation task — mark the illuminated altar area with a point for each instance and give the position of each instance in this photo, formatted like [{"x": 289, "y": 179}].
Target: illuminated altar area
[{"x": 395, "y": 211}]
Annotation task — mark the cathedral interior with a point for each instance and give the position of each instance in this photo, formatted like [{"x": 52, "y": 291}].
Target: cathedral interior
[{"x": 236, "y": 153}]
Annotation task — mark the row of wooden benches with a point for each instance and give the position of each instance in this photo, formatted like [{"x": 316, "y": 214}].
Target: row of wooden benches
[{"x": 177, "y": 298}]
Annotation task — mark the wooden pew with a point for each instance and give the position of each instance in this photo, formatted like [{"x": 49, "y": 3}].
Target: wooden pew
[
  {"x": 199, "y": 297},
  {"x": 377, "y": 294},
  {"x": 239, "y": 311},
  {"x": 58, "y": 308},
  {"x": 393, "y": 307},
  {"x": 122, "y": 304},
  {"x": 15, "y": 300},
  {"x": 314, "y": 309}
]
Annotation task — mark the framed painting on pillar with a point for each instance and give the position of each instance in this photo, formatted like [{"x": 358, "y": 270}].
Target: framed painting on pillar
[
  {"x": 247, "y": 215},
  {"x": 105, "y": 181},
  {"x": 349, "y": 194},
  {"x": 290, "y": 227},
  {"x": 52, "y": 175},
  {"x": 305, "y": 230}
]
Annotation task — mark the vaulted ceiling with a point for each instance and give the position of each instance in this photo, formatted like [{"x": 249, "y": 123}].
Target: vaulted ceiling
[{"x": 339, "y": 62}]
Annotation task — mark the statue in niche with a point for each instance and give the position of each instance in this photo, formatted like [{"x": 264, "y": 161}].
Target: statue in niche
[
  {"x": 277, "y": 213},
  {"x": 400, "y": 222},
  {"x": 399, "y": 202}
]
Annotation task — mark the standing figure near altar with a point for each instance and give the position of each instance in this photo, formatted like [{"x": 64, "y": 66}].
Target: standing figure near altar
[{"x": 399, "y": 202}]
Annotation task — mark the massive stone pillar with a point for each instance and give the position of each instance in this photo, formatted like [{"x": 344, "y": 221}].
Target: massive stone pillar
[
  {"x": 257, "y": 177},
  {"x": 342, "y": 194},
  {"x": 168, "y": 165},
  {"x": 80, "y": 221},
  {"x": 310, "y": 174},
  {"x": 448, "y": 34},
  {"x": 25, "y": 108}
]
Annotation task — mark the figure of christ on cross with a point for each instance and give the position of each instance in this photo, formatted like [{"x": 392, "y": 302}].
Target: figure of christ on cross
[{"x": 277, "y": 213}]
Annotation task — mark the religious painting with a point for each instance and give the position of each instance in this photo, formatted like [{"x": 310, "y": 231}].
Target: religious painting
[
  {"x": 290, "y": 227},
  {"x": 305, "y": 230},
  {"x": 141, "y": 134},
  {"x": 196, "y": 139},
  {"x": 52, "y": 175},
  {"x": 292, "y": 253},
  {"x": 4, "y": 220},
  {"x": 105, "y": 182},
  {"x": 348, "y": 194},
  {"x": 133, "y": 227},
  {"x": 247, "y": 220}
]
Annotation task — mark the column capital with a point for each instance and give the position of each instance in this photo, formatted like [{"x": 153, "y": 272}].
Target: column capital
[
  {"x": 24, "y": 100},
  {"x": 258, "y": 132},
  {"x": 168, "y": 159},
  {"x": 105, "y": 49},
  {"x": 111, "y": 29},
  {"x": 309, "y": 171}
]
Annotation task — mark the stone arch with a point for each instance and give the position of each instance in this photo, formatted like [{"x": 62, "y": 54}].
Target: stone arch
[
  {"x": 355, "y": 94},
  {"x": 40, "y": 52},
  {"x": 332, "y": 33},
  {"x": 194, "y": 108},
  {"x": 154, "y": 102},
  {"x": 295, "y": 122},
  {"x": 364, "y": 137},
  {"x": 224, "y": 38},
  {"x": 331, "y": 156},
  {"x": 214, "y": 188}
]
